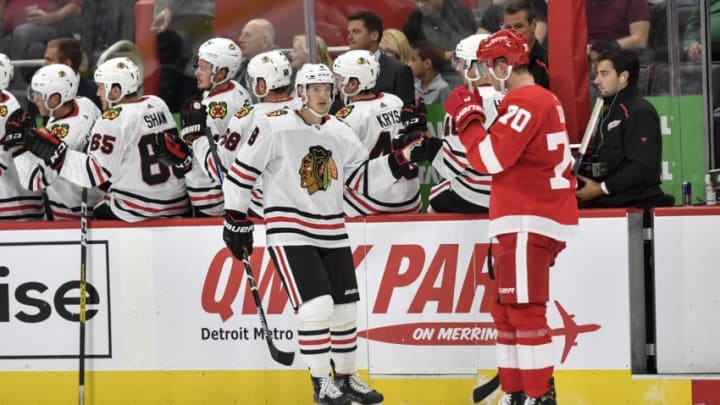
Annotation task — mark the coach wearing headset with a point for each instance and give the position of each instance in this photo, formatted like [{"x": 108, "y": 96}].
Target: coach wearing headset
[{"x": 624, "y": 164}]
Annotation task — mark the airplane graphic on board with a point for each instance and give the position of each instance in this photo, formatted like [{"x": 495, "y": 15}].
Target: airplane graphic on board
[
  {"x": 469, "y": 333},
  {"x": 570, "y": 330}
]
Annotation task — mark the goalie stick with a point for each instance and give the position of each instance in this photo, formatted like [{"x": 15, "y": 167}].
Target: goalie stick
[
  {"x": 587, "y": 136},
  {"x": 83, "y": 289},
  {"x": 285, "y": 358}
]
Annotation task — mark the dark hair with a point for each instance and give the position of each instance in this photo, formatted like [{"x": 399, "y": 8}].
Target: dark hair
[
  {"x": 517, "y": 6},
  {"x": 370, "y": 20},
  {"x": 426, "y": 50},
  {"x": 68, "y": 48},
  {"x": 623, "y": 60},
  {"x": 606, "y": 45}
]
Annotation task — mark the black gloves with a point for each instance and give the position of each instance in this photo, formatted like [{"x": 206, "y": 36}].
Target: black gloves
[
  {"x": 193, "y": 122},
  {"x": 238, "y": 234},
  {"x": 171, "y": 150}
]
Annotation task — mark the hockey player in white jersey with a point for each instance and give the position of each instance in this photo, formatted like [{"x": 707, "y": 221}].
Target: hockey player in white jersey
[
  {"x": 375, "y": 119},
  {"x": 218, "y": 60},
  {"x": 269, "y": 74},
  {"x": 462, "y": 189},
  {"x": 120, "y": 157},
  {"x": 16, "y": 202},
  {"x": 53, "y": 89},
  {"x": 306, "y": 158}
]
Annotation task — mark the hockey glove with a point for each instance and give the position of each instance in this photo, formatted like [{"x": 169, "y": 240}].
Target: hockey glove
[
  {"x": 238, "y": 234},
  {"x": 171, "y": 150},
  {"x": 426, "y": 151},
  {"x": 193, "y": 121},
  {"x": 414, "y": 116},
  {"x": 464, "y": 107},
  {"x": 48, "y": 147},
  {"x": 15, "y": 127},
  {"x": 399, "y": 159}
]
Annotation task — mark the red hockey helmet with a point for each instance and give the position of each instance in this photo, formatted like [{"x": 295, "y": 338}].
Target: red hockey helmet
[{"x": 508, "y": 44}]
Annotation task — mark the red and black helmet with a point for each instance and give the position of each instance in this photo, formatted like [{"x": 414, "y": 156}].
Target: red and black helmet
[{"x": 508, "y": 44}]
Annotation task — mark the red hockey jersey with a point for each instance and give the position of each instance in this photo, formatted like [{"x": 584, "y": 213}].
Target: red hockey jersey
[{"x": 526, "y": 150}]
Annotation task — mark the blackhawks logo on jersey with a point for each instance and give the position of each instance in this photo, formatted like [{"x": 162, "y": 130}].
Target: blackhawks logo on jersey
[
  {"x": 277, "y": 113},
  {"x": 217, "y": 109},
  {"x": 61, "y": 131},
  {"x": 3, "y": 110},
  {"x": 317, "y": 170},
  {"x": 345, "y": 111},
  {"x": 243, "y": 111},
  {"x": 111, "y": 114}
]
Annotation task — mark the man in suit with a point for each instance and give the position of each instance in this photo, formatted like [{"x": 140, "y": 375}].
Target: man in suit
[{"x": 365, "y": 32}]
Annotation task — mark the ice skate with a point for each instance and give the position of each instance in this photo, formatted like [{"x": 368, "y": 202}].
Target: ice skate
[
  {"x": 354, "y": 387},
  {"x": 326, "y": 393}
]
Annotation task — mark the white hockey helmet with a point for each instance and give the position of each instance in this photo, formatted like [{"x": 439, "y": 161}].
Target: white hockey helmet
[
  {"x": 466, "y": 53},
  {"x": 6, "y": 71},
  {"x": 358, "y": 64},
  {"x": 313, "y": 73},
  {"x": 273, "y": 67},
  {"x": 121, "y": 71},
  {"x": 221, "y": 53},
  {"x": 54, "y": 79}
]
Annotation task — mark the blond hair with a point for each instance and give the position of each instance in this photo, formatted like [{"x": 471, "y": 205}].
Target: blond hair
[
  {"x": 323, "y": 56},
  {"x": 396, "y": 41}
]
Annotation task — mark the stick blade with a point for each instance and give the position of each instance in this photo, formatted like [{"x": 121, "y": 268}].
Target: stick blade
[
  {"x": 284, "y": 358},
  {"x": 480, "y": 392}
]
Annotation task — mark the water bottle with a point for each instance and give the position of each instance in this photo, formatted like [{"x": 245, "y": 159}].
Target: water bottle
[{"x": 710, "y": 196}]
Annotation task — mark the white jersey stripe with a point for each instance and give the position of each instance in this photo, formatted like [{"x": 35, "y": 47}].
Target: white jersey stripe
[
  {"x": 287, "y": 274},
  {"x": 521, "y": 269},
  {"x": 487, "y": 153}
]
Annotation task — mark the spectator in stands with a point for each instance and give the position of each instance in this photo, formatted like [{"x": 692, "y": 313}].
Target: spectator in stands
[
  {"x": 520, "y": 16},
  {"x": 31, "y": 23},
  {"x": 425, "y": 62},
  {"x": 493, "y": 18},
  {"x": 67, "y": 51},
  {"x": 622, "y": 165},
  {"x": 691, "y": 38},
  {"x": 181, "y": 26},
  {"x": 365, "y": 30},
  {"x": 441, "y": 22},
  {"x": 626, "y": 22},
  {"x": 257, "y": 36},
  {"x": 395, "y": 45},
  {"x": 299, "y": 52}
]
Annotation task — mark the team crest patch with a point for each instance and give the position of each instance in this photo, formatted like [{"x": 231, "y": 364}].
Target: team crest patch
[
  {"x": 111, "y": 114},
  {"x": 61, "y": 131},
  {"x": 345, "y": 111},
  {"x": 317, "y": 170},
  {"x": 3, "y": 110},
  {"x": 217, "y": 109},
  {"x": 277, "y": 113},
  {"x": 243, "y": 112}
]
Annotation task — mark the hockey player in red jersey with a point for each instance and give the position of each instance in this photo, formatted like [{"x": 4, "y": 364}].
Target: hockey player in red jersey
[{"x": 533, "y": 210}]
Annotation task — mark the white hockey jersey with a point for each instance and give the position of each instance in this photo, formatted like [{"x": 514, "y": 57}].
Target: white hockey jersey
[
  {"x": 202, "y": 180},
  {"x": 16, "y": 203},
  {"x": 451, "y": 162},
  {"x": 377, "y": 122},
  {"x": 63, "y": 196},
  {"x": 221, "y": 106},
  {"x": 304, "y": 169},
  {"x": 120, "y": 152}
]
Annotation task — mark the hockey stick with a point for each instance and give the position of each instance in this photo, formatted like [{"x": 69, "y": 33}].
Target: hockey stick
[
  {"x": 285, "y": 358},
  {"x": 483, "y": 391},
  {"x": 587, "y": 136},
  {"x": 83, "y": 287},
  {"x": 213, "y": 148}
]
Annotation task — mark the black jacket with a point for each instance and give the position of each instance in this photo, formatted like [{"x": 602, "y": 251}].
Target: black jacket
[
  {"x": 396, "y": 78},
  {"x": 538, "y": 65},
  {"x": 628, "y": 139}
]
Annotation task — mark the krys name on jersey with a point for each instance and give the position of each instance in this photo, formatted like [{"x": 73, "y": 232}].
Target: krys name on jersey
[
  {"x": 155, "y": 119},
  {"x": 389, "y": 118}
]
